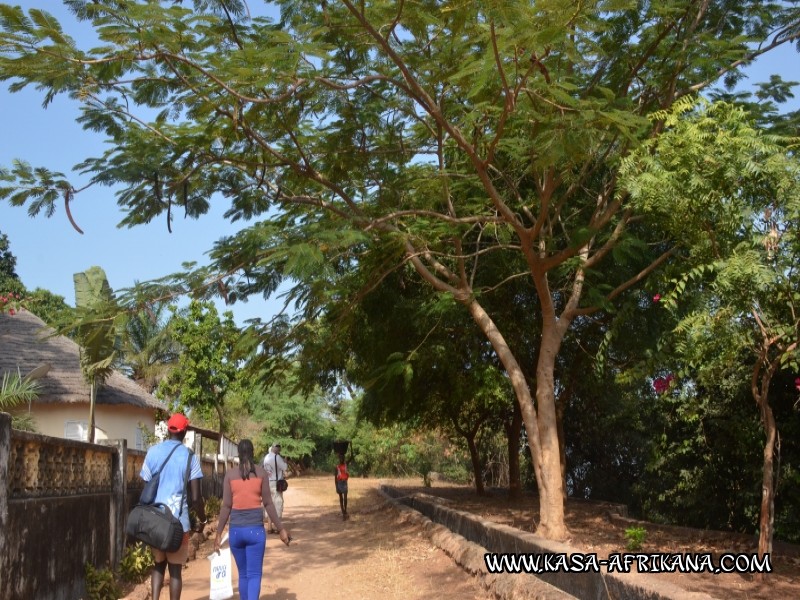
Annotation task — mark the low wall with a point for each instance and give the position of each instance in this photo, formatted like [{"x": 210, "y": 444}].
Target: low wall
[
  {"x": 63, "y": 504},
  {"x": 52, "y": 539},
  {"x": 497, "y": 538}
]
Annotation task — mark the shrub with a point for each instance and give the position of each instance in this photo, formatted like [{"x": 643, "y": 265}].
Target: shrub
[
  {"x": 213, "y": 505},
  {"x": 635, "y": 537},
  {"x": 101, "y": 584},
  {"x": 137, "y": 560}
]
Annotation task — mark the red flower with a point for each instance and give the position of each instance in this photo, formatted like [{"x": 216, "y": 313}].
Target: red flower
[
  {"x": 657, "y": 297},
  {"x": 11, "y": 311},
  {"x": 662, "y": 384}
]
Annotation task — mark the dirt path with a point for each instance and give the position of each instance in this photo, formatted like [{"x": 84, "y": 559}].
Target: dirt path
[{"x": 369, "y": 557}]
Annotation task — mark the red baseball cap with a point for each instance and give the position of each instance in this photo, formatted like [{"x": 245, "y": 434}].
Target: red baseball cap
[{"x": 177, "y": 423}]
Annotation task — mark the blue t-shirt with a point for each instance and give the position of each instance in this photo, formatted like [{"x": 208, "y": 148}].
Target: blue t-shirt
[{"x": 170, "y": 483}]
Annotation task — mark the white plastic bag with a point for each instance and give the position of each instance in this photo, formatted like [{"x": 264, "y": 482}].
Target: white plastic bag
[{"x": 221, "y": 576}]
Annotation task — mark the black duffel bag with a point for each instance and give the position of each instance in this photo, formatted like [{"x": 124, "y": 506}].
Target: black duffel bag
[{"x": 155, "y": 525}]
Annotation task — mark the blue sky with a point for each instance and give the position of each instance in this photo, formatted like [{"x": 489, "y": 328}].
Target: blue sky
[{"x": 49, "y": 251}]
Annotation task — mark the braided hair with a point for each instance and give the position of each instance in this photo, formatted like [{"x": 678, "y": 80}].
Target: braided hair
[{"x": 247, "y": 463}]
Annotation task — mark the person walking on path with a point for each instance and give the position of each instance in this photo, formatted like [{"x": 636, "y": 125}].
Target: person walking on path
[
  {"x": 172, "y": 493},
  {"x": 341, "y": 476},
  {"x": 275, "y": 467},
  {"x": 244, "y": 491}
]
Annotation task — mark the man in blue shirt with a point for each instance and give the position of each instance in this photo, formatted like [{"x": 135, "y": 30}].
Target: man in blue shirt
[{"x": 172, "y": 493}]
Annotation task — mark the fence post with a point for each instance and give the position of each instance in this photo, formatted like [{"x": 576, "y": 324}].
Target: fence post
[
  {"x": 5, "y": 457},
  {"x": 119, "y": 488}
]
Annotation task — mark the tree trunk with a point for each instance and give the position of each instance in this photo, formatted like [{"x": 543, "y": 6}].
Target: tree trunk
[
  {"x": 767, "y": 517},
  {"x": 92, "y": 399},
  {"x": 513, "y": 431},
  {"x": 562, "y": 445},
  {"x": 475, "y": 459},
  {"x": 551, "y": 503},
  {"x": 542, "y": 431},
  {"x": 561, "y": 405}
]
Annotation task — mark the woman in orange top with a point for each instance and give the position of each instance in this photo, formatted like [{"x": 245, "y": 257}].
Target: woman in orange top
[
  {"x": 244, "y": 491},
  {"x": 341, "y": 476}
]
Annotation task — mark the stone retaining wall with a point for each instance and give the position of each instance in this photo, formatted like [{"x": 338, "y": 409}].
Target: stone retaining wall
[{"x": 497, "y": 538}]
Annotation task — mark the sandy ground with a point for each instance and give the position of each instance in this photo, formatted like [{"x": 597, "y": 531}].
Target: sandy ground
[
  {"x": 372, "y": 556},
  {"x": 377, "y": 555},
  {"x": 591, "y": 531}
]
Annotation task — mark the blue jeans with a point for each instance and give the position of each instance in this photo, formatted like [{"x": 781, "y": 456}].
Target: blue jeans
[{"x": 247, "y": 546}]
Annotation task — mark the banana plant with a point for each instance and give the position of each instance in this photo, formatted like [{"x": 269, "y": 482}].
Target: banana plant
[{"x": 95, "y": 332}]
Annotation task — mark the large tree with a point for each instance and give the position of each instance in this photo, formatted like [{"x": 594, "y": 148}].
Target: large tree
[
  {"x": 419, "y": 127},
  {"x": 419, "y": 360},
  {"x": 746, "y": 307},
  {"x": 9, "y": 280},
  {"x": 46, "y": 305},
  {"x": 205, "y": 369}
]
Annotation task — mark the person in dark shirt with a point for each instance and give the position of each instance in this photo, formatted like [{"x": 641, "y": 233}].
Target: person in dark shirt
[{"x": 341, "y": 476}]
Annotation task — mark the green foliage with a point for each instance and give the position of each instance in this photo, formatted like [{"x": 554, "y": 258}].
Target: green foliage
[
  {"x": 735, "y": 309},
  {"x": 9, "y": 280},
  {"x": 8, "y": 261},
  {"x": 49, "y": 307},
  {"x": 635, "y": 538},
  {"x": 10, "y": 303},
  {"x": 422, "y": 456},
  {"x": 148, "y": 350},
  {"x": 708, "y": 171},
  {"x": 101, "y": 584},
  {"x": 213, "y": 504},
  {"x": 704, "y": 444},
  {"x": 205, "y": 368},
  {"x": 15, "y": 391},
  {"x": 482, "y": 146},
  {"x": 136, "y": 563},
  {"x": 291, "y": 416},
  {"x": 93, "y": 329},
  {"x": 398, "y": 450},
  {"x": 149, "y": 436}
]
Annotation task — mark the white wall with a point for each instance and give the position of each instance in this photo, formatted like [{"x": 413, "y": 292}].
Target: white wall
[{"x": 112, "y": 422}]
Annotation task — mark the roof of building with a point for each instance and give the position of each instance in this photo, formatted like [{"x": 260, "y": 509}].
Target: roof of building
[{"x": 27, "y": 343}]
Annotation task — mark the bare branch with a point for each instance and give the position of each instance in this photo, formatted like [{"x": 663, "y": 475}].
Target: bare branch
[
  {"x": 628, "y": 284},
  {"x": 778, "y": 41}
]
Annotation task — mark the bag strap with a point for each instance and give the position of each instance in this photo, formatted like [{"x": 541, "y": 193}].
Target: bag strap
[
  {"x": 186, "y": 481},
  {"x": 161, "y": 468},
  {"x": 276, "y": 467}
]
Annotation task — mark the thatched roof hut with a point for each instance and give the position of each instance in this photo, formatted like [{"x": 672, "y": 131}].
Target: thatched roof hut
[{"x": 27, "y": 343}]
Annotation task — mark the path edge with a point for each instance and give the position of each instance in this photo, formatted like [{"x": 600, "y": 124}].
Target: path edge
[{"x": 451, "y": 531}]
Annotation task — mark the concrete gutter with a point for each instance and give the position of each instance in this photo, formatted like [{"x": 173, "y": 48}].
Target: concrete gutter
[{"x": 466, "y": 538}]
